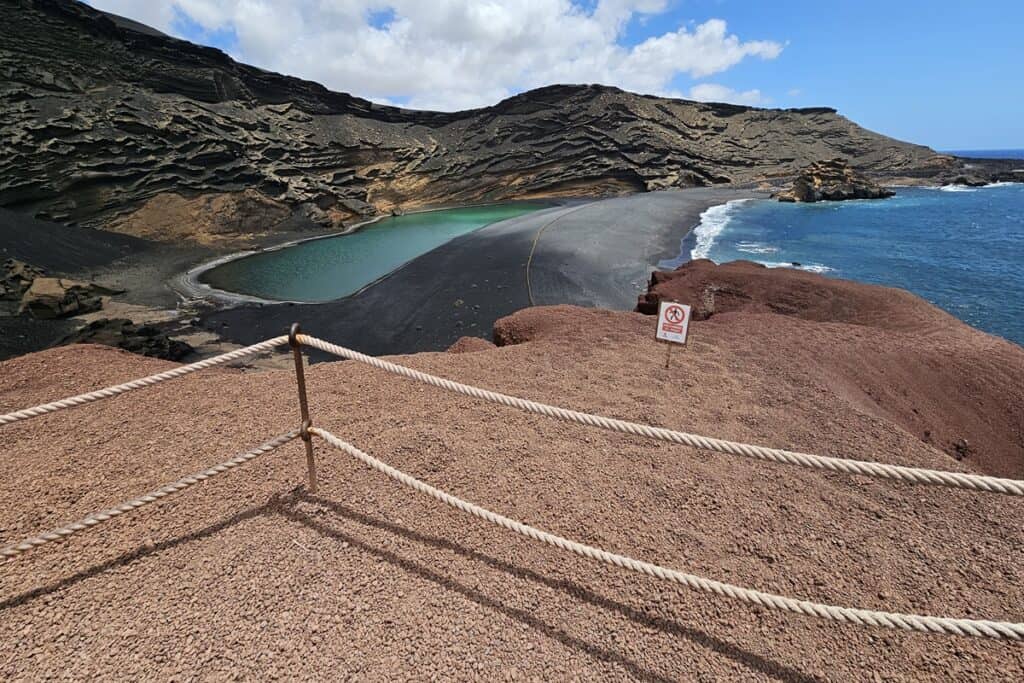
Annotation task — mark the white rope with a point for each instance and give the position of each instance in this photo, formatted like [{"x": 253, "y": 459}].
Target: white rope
[
  {"x": 109, "y": 392},
  {"x": 915, "y": 475},
  {"x": 862, "y": 617},
  {"x": 11, "y": 551}
]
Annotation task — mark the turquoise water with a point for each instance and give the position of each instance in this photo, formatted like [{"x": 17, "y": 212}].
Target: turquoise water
[
  {"x": 335, "y": 267},
  {"x": 960, "y": 248}
]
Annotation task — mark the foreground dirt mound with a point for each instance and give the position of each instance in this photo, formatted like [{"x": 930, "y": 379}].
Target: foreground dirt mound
[
  {"x": 896, "y": 355},
  {"x": 248, "y": 575}
]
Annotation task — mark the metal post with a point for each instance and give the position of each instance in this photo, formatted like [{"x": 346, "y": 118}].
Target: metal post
[{"x": 300, "y": 377}]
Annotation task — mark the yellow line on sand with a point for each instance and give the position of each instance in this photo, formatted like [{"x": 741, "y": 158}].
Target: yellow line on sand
[{"x": 533, "y": 247}]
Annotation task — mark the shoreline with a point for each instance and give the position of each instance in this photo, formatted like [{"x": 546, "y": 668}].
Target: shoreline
[
  {"x": 187, "y": 285},
  {"x": 161, "y": 278},
  {"x": 598, "y": 255}
]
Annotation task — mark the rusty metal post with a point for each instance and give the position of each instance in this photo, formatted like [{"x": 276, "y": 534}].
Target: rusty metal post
[{"x": 300, "y": 377}]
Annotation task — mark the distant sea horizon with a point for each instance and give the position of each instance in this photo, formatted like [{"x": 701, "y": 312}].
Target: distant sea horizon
[{"x": 987, "y": 153}]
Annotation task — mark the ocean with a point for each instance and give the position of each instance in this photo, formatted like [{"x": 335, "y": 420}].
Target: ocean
[
  {"x": 989, "y": 153},
  {"x": 960, "y": 248}
]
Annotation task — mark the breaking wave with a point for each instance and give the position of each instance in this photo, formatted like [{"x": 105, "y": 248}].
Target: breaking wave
[
  {"x": 712, "y": 223},
  {"x": 809, "y": 267},
  {"x": 756, "y": 248}
]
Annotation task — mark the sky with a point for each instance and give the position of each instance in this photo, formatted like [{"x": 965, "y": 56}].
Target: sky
[{"x": 939, "y": 72}]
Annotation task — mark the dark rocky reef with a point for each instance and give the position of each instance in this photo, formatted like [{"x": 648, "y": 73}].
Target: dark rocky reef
[
  {"x": 832, "y": 180},
  {"x": 102, "y": 119},
  {"x": 147, "y": 340}
]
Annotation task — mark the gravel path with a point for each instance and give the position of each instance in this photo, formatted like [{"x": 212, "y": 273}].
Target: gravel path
[{"x": 249, "y": 576}]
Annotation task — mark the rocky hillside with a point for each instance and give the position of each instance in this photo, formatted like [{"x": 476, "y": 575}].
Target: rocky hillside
[{"x": 108, "y": 124}]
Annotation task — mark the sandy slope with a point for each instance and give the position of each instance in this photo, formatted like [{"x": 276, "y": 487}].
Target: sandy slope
[{"x": 247, "y": 575}]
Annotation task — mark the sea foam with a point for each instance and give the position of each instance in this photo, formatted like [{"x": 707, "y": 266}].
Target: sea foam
[
  {"x": 756, "y": 248},
  {"x": 712, "y": 222},
  {"x": 809, "y": 267}
]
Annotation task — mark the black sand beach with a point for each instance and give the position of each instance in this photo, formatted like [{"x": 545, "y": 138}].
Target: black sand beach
[{"x": 597, "y": 253}]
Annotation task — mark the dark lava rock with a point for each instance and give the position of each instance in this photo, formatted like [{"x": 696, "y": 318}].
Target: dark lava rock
[
  {"x": 968, "y": 181},
  {"x": 48, "y": 298},
  {"x": 15, "y": 279},
  {"x": 146, "y": 340},
  {"x": 832, "y": 180}
]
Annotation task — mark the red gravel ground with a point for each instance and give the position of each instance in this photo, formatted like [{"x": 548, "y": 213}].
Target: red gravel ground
[{"x": 249, "y": 576}]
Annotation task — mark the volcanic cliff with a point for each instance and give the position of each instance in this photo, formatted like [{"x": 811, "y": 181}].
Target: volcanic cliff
[{"x": 107, "y": 123}]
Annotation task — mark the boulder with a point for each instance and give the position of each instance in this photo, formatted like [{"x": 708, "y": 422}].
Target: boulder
[
  {"x": 969, "y": 181},
  {"x": 832, "y": 180},
  {"x": 147, "y": 340},
  {"x": 16, "y": 277},
  {"x": 51, "y": 297}
]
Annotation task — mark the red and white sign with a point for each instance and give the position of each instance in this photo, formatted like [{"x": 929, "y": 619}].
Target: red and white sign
[{"x": 673, "y": 322}]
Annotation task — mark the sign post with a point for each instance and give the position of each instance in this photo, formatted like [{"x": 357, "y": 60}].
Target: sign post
[{"x": 673, "y": 325}]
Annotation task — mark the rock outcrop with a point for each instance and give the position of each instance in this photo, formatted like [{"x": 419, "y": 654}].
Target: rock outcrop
[
  {"x": 890, "y": 352},
  {"x": 109, "y": 125},
  {"x": 51, "y": 297},
  {"x": 15, "y": 279},
  {"x": 147, "y": 340},
  {"x": 832, "y": 180}
]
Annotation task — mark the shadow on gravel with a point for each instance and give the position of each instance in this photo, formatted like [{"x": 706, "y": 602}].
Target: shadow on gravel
[
  {"x": 285, "y": 505},
  {"x": 275, "y": 504},
  {"x": 748, "y": 659}
]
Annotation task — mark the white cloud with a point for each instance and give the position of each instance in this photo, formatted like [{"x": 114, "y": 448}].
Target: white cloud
[
  {"x": 453, "y": 54},
  {"x": 713, "y": 92}
]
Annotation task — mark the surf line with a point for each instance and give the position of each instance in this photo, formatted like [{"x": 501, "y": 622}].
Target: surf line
[{"x": 533, "y": 247}]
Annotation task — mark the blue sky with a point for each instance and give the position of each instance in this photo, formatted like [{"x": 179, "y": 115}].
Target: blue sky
[{"x": 942, "y": 73}]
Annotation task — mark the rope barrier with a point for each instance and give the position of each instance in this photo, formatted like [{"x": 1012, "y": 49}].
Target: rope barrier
[
  {"x": 999, "y": 630},
  {"x": 893, "y": 620},
  {"x": 109, "y": 392},
  {"x": 914, "y": 475},
  {"x": 11, "y": 551}
]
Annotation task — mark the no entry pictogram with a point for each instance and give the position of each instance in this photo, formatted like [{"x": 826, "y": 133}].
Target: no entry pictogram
[
  {"x": 673, "y": 322},
  {"x": 675, "y": 314}
]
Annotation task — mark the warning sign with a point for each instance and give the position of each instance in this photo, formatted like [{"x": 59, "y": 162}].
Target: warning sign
[{"x": 673, "y": 322}]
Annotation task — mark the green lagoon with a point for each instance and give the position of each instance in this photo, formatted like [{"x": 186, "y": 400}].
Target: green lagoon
[{"x": 335, "y": 267}]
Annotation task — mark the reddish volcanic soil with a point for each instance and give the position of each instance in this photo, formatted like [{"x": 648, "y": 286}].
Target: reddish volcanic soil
[
  {"x": 910, "y": 363},
  {"x": 249, "y": 576}
]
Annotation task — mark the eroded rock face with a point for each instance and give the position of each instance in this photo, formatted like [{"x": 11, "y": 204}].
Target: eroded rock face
[
  {"x": 832, "y": 180},
  {"x": 106, "y": 126},
  {"x": 204, "y": 219},
  {"x": 147, "y": 340},
  {"x": 52, "y": 297}
]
